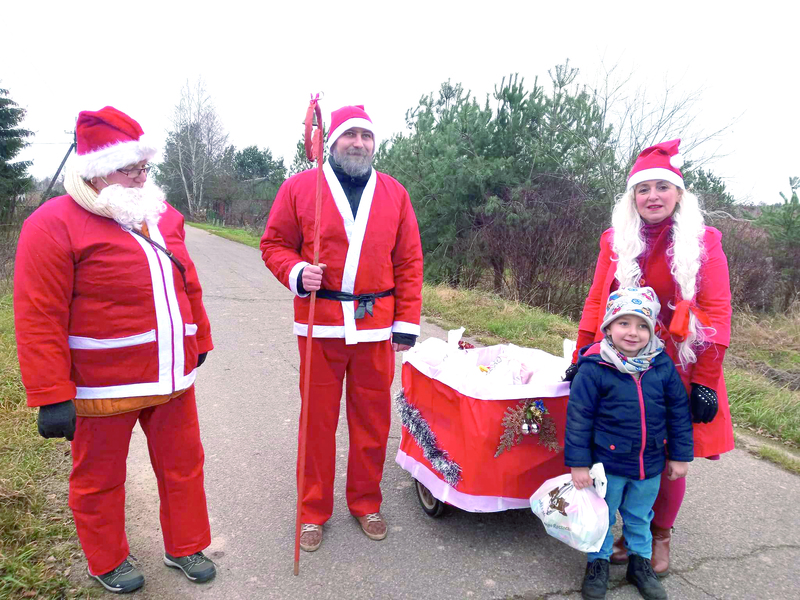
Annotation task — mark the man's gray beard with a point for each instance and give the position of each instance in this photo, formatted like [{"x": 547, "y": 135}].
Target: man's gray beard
[
  {"x": 130, "y": 207},
  {"x": 354, "y": 164}
]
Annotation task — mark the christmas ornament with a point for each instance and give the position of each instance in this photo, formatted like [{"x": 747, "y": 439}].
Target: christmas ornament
[{"x": 527, "y": 418}]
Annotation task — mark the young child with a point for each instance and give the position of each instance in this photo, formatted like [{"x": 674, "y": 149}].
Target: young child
[{"x": 628, "y": 409}]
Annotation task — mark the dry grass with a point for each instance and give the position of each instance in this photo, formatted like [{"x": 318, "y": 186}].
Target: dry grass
[{"x": 773, "y": 340}]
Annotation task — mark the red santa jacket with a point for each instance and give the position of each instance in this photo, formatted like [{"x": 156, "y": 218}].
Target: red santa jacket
[
  {"x": 100, "y": 313},
  {"x": 379, "y": 250},
  {"x": 713, "y": 297}
]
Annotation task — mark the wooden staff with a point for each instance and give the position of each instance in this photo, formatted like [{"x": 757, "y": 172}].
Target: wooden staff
[{"x": 313, "y": 146}]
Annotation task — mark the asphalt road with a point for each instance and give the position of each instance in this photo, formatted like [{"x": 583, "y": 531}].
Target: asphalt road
[{"x": 737, "y": 537}]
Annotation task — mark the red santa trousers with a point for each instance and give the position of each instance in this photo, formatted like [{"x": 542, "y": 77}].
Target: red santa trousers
[
  {"x": 97, "y": 482},
  {"x": 369, "y": 367}
]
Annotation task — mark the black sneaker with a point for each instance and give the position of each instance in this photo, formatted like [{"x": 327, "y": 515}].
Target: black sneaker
[
  {"x": 197, "y": 567},
  {"x": 125, "y": 578},
  {"x": 595, "y": 582},
  {"x": 640, "y": 573}
]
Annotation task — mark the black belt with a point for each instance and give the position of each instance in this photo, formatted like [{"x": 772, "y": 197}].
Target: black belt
[{"x": 365, "y": 301}]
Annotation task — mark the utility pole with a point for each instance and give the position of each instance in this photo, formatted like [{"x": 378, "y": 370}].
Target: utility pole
[{"x": 72, "y": 146}]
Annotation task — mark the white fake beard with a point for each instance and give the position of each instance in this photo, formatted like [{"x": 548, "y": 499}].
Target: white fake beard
[
  {"x": 354, "y": 162},
  {"x": 130, "y": 207}
]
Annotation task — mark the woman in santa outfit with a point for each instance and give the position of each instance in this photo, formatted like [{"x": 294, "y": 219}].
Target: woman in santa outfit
[
  {"x": 659, "y": 239},
  {"x": 110, "y": 329}
]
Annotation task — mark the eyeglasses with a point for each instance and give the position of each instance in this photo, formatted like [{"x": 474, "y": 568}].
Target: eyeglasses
[{"x": 134, "y": 173}]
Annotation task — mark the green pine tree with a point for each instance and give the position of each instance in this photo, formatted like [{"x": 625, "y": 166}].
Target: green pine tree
[
  {"x": 782, "y": 224},
  {"x": 14, "y": 178}
]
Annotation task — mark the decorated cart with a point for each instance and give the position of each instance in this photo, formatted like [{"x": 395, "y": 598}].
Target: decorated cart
[{"x": 483, "y": 428}]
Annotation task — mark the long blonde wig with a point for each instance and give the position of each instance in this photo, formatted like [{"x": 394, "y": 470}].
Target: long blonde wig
[{"x": 686, "y": 251}]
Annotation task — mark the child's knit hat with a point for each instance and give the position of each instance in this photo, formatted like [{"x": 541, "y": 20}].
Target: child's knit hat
[{"x": 639, "y": 301}]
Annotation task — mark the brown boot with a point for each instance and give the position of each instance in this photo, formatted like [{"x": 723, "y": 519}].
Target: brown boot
[
  {"x": 661, "y": 540},
  {"x": 619, "y": 553}
]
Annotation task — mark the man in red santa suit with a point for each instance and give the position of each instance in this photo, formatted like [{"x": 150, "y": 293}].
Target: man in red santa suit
[
  {"x": 110, "y": 330},
  {"x": 369, "y": 285}
]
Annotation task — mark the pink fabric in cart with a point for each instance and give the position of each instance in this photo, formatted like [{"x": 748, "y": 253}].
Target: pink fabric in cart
[{"x": 458, "y": 369}]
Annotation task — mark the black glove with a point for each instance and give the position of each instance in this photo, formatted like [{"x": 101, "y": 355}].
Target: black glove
[
  {"x": 57, "y": 420},
  {"x": 704, "y": 404},
  {"x": 407, "y": 339},
  {"x": 571, "y": 371},
  {"x": 201, "y": 358}
]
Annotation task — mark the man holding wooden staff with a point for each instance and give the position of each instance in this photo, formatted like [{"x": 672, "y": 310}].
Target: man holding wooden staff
[{"x": 369, "y": 284}]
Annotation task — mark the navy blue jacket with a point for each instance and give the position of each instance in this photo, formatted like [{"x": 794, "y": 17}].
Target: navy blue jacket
[{"x": 626, "y": 424}]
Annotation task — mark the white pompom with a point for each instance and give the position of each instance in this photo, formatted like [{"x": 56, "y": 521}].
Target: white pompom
[{"x": 676, "y": 161}]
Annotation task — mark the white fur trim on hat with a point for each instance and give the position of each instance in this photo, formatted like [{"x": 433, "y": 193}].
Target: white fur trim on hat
[
  {"x": 654, "y": 174},
  {"x": 110, "y": 158},
  {"x": 349, "y": 124}
]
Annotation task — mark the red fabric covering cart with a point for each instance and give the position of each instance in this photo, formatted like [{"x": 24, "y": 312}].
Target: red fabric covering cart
[{"x": 465, "y": 412}]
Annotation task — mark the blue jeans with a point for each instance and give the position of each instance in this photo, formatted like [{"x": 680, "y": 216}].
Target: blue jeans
[{"x": 634, "y": 498}]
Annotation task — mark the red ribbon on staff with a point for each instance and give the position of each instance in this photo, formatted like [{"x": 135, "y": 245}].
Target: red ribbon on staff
[{"x": 680, "y": 318}]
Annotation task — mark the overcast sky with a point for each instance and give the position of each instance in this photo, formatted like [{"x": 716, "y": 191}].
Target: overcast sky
[{"x": 260, "y": 63}]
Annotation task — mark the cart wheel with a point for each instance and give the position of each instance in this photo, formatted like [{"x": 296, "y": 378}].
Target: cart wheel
[{"x": 432, "y": 507}]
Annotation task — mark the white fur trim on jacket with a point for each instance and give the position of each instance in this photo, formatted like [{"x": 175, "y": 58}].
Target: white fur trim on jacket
[
  {"x": 404, "y": 327},
  {"x": 110, "y": 158},
  {"x": 293, "y": 278},
  {"x": 338, "y": 331},
  {"x": 355, "y": 229}
]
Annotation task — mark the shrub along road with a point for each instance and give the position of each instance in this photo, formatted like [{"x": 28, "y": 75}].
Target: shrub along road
[{"x": 737, "y": 537}]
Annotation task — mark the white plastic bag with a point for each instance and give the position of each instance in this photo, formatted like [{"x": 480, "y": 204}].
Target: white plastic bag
[{"x": 579, "y": 518}]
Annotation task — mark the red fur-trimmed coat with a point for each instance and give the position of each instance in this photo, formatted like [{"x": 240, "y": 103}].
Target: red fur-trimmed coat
[
  {"x": 378, "y": 250},
  {"x": 99, "y": 313},
  {"x": 713, "y": 297}
]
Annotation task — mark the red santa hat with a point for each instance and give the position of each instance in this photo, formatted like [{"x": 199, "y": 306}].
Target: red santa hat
[
  {"x": 346, "y": 118},
  {"x": 662, "y": 161},
  {"x": 108, "y": 140}
]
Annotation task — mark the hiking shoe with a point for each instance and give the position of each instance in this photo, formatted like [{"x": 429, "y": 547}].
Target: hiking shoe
[
  {"x": 595, "y": 581},
  {"x": 197, "y": 567},
  {"x": 641, "y": 574},
  {"x": 374, "y": 526},
  {"x": 310, "y": 537},
  {"x": 125, "y": 578}
]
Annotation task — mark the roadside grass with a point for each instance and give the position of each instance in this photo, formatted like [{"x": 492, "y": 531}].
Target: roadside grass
[
  {"x": 774, "y": 455},
  {"x": 756, "y": 402},
  {"x": 759, "y": 404},
  {"x": 493, "y": 320},
  {"x": 773, "y": 340},
  {"x": 243, "y": 236},
  {"x": 38, "y": 544}
]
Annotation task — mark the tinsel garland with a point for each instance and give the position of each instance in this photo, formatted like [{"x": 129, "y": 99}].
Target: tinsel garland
[
  {"x": 419, "y": 429},
  {"x": 532, "y": 412}
]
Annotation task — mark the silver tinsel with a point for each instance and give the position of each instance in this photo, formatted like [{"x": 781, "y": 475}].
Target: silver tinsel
[{"x": 419, "y": 429}]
